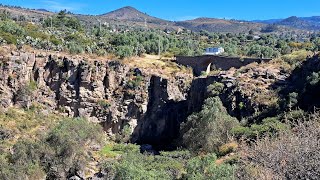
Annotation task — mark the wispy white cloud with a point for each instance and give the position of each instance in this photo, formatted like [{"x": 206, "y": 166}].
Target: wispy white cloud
[{"x": 53, "y": 5}]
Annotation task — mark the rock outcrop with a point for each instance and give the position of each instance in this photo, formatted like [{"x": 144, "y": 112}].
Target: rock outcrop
[
  {"x": 248, "y": 93},
  {"x": 304, "y": 81},
  {"x": 105, "y": 92},
  {"x": 116, "y": 96}
]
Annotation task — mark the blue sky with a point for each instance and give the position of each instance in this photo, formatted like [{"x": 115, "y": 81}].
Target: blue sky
[{"x": 185, "y": 9}]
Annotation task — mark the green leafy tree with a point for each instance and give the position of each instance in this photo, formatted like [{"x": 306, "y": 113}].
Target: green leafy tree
[
  {"x": 208, "y": 129},
  {"x": 124, "y": 51}
]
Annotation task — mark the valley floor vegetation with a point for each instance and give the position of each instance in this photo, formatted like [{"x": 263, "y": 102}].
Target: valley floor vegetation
[
  {"x": 64, "y": 32},
  {"x": 213, "y": 145}
]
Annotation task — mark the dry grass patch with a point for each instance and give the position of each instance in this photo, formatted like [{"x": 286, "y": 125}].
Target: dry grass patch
[
  {"x": 26, "y": 124},
  {"x": 152, "y": 63}
]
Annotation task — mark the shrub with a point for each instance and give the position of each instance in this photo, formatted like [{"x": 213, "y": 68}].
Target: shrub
[
  {"x": 75, "y": 48},
  {"x": 25, "y": 93},
  {"x": 12, "y": 28},
  {"x": 63, "y": 20},
  {"x": 180, "y": 154},
  {"x": 294, "y": 116},
  {"x": 137, "y": 166},
  {"x": 124, "y": 135},
  {"x": 292, "y": 100},
  {"x": 215, "y": 89},
  {"x": 204, "y": 73},
  {"x": 136, "y": 82},
  {"x": 314, "y": 78},
  {"x": 23, "y": 162},
  {"x": 26, "y": 157},
  {"x": 296, "y": 57},
  {"x": 291, "y": 155},
  {"x": 269, "y": 126},
  {"x": 55, "y": 41},
  {"x": 124, "y": 51},
  {"x": 69, "y": 141},
  {"x": 108, "y": 152},
  {"x": 103, "y": 103},
  {"x": 9, "y": 38},
  {"x": 208, "y": 129},
  {"x": 126, "y": 148},
  {"x": 227, "y": 148},
  {"x": 205, "y": 167}
]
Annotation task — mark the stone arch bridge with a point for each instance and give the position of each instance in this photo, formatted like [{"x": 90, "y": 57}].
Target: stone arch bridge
[{"x": 208, "y": 62}]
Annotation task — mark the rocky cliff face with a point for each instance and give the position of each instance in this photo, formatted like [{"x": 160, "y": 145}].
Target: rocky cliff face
[
  {"x": 117, "y": 96},
  {"x": 161, "y": 123},
  {"x": 304, "y": 82},
  {"x": 248, "y": 93},
  {"x": 106, "y": 92}
]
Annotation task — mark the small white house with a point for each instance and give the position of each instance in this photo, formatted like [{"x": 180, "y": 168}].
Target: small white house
[{"x": 214, "y": 51}]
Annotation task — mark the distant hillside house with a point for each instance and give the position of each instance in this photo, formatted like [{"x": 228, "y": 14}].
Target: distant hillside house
[{"x": 214, "y": 51}]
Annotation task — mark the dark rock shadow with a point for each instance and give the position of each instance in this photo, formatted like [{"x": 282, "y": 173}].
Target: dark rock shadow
[{"x": 161, "y": 124}]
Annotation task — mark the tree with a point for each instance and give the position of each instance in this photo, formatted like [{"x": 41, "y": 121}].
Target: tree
[
  {"x": 270, "y": 28},
  {"x": 140, "y": 50},
  {"x": 124, "y": 51},
  {"x": 208, "y": 129},
  {"x": 62, "y": 14},
  {"x": 62, "y": 20},
  {"x": 5, "y": 15}
]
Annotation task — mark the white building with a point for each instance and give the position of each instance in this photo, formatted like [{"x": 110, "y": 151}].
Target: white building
[{"x": 214, "y": 51}]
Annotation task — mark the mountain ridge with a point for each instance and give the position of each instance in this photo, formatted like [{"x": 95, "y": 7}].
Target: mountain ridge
[
  {"x": 128, "y": 13},
  {"x": 131, "y": 16},
  {"x": 304, "y": 23}
]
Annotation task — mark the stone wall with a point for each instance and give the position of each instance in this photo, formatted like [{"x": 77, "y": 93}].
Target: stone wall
[{"x": 202, "y": 63}]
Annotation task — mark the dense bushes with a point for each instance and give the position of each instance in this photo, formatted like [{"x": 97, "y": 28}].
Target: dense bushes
[
  {"x": 297, "y": 57},
  {"x": 269, "y": 126},
  {"x": 11, "y": 32},
  {"x": 139, "y": 166},
  {"x": 69, "y": 141},
  {"x": 167, "y": 165},
  {"x": 124, "y": 51},
  {"x": 63, "y": 20},
  {"x": 291, "y": 155},
  {"x": 67, "y": 33},
  {"x": 205, "y": 167},
  {"x": 60, "y": 153}
]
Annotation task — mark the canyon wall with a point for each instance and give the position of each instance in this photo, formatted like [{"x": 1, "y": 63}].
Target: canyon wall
[
  {"x": 113, "y": 94},
  {"x": 106, "y": 92}
]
